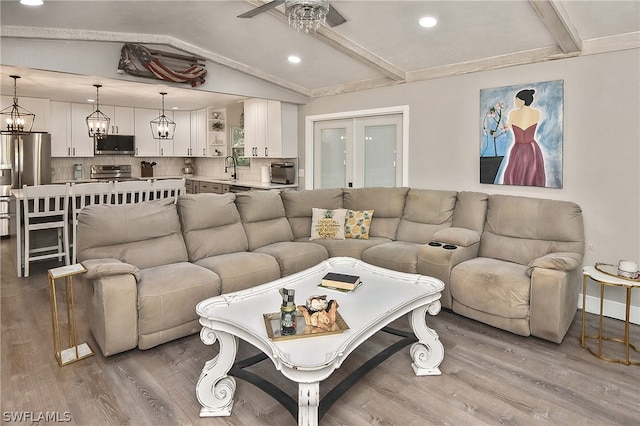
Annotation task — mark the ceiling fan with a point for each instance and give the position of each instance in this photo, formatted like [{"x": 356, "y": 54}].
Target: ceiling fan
[{"x": 334, "y": 17}]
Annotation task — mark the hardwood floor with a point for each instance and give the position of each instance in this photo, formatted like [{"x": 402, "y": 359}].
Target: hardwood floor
[{"x": 488, "y": 376}]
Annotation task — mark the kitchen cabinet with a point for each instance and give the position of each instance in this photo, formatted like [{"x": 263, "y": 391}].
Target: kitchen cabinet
[
  {"x": 81, "y": 143},
  {"x": 60, "y": 129},
  {"x": 212, "y": 187},
  {"x": 270, "y": 129},
  {"x": 198, "y": 133},
  {"x": 216, "y": 132},
  {"x": 122, "y": 119},
  {"x": 37, "y": 106},
  {"x": 182, "y": 135},
  {"x": 146, "y": 145}
]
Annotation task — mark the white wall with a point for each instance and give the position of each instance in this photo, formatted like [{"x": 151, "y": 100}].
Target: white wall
[{"x": 601, "y": 144}]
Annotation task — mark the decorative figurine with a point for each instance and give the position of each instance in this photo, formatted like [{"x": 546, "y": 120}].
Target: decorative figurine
[{"x": 319, "y": 313}]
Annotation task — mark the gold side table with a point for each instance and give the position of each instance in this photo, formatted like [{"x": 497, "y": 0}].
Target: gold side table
[
  {"x": 606, "y": 276},
  {"x": 74, "y": 352}
]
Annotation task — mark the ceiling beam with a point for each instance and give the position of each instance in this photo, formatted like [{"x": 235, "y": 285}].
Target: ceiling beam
[
  {"x": 157, "y": 39},
  {"x": 557, "y": 21},
  {"x": 347, "y": 46}
]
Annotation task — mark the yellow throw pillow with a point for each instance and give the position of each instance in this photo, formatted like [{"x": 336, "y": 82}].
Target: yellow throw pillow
[
  {"x": 357, "y": 224},
  {"x": 327, "y": 224}
]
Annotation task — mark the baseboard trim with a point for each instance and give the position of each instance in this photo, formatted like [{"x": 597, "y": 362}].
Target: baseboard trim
[{"x": 610, "y": 309}]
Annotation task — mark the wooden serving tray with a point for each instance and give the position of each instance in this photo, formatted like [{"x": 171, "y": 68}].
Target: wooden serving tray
[{"x": 272, "y": 324}]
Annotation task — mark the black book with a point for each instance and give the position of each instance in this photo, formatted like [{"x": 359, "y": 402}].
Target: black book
[{"x": 341, "y": 281}]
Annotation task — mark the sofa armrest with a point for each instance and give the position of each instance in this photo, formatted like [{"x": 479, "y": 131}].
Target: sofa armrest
[
  {"x": 461, "y": 237},
  {"x": 559, "y": 261},
  {"x": 112, "y": 309},
  {"x": 438, "y": 262},
  {"x": 98, "y": 268}
]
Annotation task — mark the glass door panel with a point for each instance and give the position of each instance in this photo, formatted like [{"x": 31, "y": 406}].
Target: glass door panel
[{"x": 380, "y": 156}]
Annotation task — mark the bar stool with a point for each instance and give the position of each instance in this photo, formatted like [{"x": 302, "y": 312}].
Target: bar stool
[
  {"x": 82, "y": 195},
  {"x": 167, "y": 188},
  {"x": 46, "y": 207},
  {"x": 132, "y": 191}
]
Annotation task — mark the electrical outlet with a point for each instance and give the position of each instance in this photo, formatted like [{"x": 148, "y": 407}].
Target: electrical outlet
[{"x": 300, "y": 172}]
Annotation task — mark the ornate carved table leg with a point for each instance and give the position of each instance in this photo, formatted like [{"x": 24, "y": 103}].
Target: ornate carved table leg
[
  {"x": 215, "y": 389},
  {"x": 308, "y": 401},
  {"x": 428, "y": 352}
]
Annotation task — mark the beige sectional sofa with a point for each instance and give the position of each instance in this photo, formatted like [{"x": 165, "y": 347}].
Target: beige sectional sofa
[{"x": 511, "y": 262}]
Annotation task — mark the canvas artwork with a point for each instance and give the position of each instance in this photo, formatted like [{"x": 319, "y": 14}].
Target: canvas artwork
[{"x": 521, "y": 134}]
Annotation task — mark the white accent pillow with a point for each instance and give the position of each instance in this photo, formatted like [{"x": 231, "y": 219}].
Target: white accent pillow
[{"x": 327, "y": 224}]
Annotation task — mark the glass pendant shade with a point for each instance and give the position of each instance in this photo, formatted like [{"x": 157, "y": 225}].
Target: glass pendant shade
[
  {"x": 306, "y": 15},
  {"x": 163, "y": 127},
  {"x": 97, "y": 121},
  {"x": 15, "y": 119}
]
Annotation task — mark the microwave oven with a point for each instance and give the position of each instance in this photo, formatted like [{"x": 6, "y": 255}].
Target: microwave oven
[{"x": 115, "y": 145}]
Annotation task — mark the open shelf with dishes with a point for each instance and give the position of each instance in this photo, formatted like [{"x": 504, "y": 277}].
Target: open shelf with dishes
[{"x": 216, "y": 132}]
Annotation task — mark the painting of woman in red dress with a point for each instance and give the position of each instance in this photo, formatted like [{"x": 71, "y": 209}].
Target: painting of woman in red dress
[{"x": 525, "y": 165}]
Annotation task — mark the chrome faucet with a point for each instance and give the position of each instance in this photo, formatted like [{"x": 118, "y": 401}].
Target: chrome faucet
[{"x": 234, "y": 175}]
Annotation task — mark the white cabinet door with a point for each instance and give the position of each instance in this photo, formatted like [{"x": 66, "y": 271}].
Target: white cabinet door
[
  {"x": 166, "y": 147},
  {"x": 60, "y": 129},
  {"x": 270, "y": 129},
  {"x": 81, "y": 143},
  {"x": 199, "y": 133},
  {"x": 121, "y": 119},
  {"x": 182, "y": 135},
  {"x": 146, "y": 145}
]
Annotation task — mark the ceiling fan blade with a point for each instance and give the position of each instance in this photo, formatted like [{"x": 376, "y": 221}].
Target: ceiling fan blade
[
  {"x": 334, "y": 18},
  {"x": 261, "y": 9}
]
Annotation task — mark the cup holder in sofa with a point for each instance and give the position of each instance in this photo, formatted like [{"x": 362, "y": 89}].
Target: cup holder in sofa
[{"x": 444, "y": 246}]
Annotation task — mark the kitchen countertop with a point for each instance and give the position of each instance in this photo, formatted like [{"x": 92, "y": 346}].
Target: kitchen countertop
[{"x": 235, "y": 182}]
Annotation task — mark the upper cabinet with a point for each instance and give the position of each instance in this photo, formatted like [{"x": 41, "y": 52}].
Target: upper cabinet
[
  {"x": 270, "y": 129},
  {"x": 217, "y": 132},
  {"x": 81, "y": 143},
  {"x": 122, "y": 119},
  {"x": 182, "y": 136},
  {"x": 198, "y": 133},
  {"x": 146, "y": 145}
]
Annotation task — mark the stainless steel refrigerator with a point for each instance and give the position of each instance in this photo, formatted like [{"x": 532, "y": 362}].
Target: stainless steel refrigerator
[{"x": 24, "y": 160}]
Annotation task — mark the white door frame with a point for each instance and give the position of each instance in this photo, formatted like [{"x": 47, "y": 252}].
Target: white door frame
[{"x": 310, "y": 121}]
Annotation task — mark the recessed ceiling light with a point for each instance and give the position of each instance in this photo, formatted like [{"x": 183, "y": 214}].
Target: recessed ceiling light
[
  {"x": 428, "y": 22},
  {"x": 91, "y": 100},
  {"x": 31, "y": 2},
  {"x": 294, "y": 59},
  {"x": 175, "y": 107}
]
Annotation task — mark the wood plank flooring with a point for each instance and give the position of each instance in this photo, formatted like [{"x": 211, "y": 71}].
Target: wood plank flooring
[{"x": 488, "y": 376}]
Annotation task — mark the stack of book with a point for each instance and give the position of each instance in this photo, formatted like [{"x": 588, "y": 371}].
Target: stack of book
[{"x": 341, "y": 282}]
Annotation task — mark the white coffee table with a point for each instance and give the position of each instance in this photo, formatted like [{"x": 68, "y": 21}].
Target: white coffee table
[{"x": 384, "y": 297}]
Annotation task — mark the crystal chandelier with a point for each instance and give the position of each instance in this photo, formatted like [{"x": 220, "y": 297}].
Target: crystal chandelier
[
  {"x": 97, "y": 121},
  {"x": 306, "y": 15},
  {"x": 162, "y": 127},
  {"x": 17, "y": 119}
]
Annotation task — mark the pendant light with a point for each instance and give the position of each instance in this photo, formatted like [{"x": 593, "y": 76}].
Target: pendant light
[
  {"x": 97, "y": 121},
  {"x": 16, "y": 119},
  {"x": 163, "y": 127}
]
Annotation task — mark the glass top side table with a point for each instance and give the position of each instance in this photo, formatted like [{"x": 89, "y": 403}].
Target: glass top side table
[
  {"x": 74, "y": 352},
  {"x": 606, "y": 275}
]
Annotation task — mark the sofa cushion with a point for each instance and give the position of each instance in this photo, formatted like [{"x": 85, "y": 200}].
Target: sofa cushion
[
  {"x": 298, "y": 205},
  {"x": 398, "y": 256},
  {"x": 328, "y": 224},
  {"x": 471, "y": 211},
  {"x": 211, "y": 225},
  {"x": 492, "y": 286},
  {"x": 167, "y": 298},
  {"x": 521, "y": 229},
  {"x": 263, "y": 218},
  {"x": 242, "y": 270},
  {"x": 425, "y": 213},
  {"x": 349, "y": 247},
  {"x": 144, "y": 234},
  {"x": 357, "y": 224},
  {"x": 388, "y": 204},
  {"x": 293, "y": 257}
]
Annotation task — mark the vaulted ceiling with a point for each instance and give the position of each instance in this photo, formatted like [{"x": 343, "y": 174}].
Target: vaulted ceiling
[{"x": 380, "y": 43}]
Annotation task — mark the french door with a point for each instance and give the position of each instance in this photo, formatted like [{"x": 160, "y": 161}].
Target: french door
[{"x": 358, "y": 152}]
